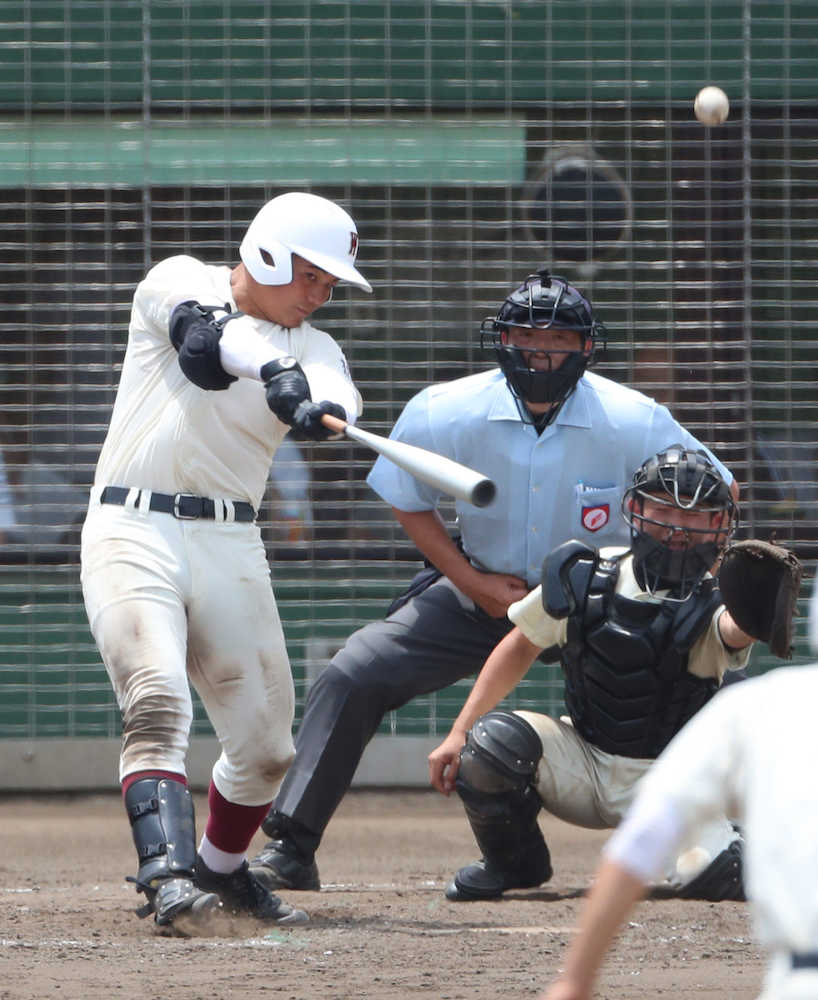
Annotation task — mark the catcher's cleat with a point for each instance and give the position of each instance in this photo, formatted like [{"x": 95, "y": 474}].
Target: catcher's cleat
[
  {"x": 720, "y": 880},
  {"x": 484, "y": 880},
  {"x": 279, "y": 866},
  {"x": 170, "y": 897},
  {"x": 242, "y": 894}
]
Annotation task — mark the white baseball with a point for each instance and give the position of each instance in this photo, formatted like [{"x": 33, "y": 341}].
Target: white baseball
[
  {"x": 691, "y": 863},
  {"x": 711, "y": 106}
]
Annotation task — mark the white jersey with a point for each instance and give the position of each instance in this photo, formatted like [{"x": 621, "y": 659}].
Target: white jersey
[
  {"x": 708, "y": 656},
  {"x": 167, "y": 434},
  {"x": 751, "y": 751}
]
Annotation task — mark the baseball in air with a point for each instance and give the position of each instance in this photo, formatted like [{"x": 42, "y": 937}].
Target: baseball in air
[{"x": 711, "y": 106}]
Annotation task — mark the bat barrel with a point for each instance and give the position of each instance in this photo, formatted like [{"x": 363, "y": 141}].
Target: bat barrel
[
  {"x": 483, "y": 492},
  {"x": 448, "y": 476}
]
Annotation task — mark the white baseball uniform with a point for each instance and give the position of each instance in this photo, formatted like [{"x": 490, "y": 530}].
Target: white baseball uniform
[
  {"x": 589, "y": 787},
  {"x": 751, "y": 751},
  {"x": 173, "y": 600}
]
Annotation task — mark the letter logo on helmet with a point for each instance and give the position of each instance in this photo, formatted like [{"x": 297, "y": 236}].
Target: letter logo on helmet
[{"x": 305, "y": 224}]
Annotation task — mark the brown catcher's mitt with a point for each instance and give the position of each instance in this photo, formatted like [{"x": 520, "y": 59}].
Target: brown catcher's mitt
[{"x": 759, "y": 583}]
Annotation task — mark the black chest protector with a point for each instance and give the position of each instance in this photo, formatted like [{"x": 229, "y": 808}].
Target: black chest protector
[{"x": 627, "y": 687}]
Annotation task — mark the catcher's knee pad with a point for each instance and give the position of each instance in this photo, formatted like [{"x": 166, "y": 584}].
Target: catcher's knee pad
[
  {"x": 495, "y": 784},
  {"x": 163, "y": 828},
  {"x": 498, "y": 761}
]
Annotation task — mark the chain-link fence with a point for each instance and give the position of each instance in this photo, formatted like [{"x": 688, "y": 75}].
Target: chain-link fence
[{"x": 472, "y": 142}]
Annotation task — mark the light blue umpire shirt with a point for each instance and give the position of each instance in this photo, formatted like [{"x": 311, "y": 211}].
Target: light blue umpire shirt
[{"x": 567, "y": 482}]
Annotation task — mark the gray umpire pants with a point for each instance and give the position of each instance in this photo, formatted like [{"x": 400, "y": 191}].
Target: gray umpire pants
[{"x": 437, "y": 638}]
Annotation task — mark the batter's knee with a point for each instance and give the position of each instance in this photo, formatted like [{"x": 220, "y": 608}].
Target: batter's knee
[{"x": 251, "y": 774}]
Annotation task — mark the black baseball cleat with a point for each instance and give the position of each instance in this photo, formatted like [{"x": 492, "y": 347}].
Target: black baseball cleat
[
  {"x": 483, "y": 880},
  {"x": 169, "y": 898},
  {"x": 279, "y": 866},
  {"x": 242, "y": 894}
]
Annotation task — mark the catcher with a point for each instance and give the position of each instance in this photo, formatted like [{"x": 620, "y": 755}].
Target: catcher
[{"x": 644, "y": 640}]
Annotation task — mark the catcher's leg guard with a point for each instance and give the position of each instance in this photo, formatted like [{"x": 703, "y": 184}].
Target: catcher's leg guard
[
  {"x": 494, "y": 782},
  {"x": 721, "y": 879},
  {"x": 163, "y": 828}
]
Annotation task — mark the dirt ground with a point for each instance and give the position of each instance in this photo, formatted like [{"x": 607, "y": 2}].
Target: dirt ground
[{"x": 381, "y": 927}]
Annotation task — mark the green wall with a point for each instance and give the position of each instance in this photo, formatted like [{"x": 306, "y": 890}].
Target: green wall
[{"x": 396, "y": 54}]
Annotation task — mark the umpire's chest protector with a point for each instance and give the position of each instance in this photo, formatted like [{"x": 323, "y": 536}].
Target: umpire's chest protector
[{"x": 627, "y": 686}]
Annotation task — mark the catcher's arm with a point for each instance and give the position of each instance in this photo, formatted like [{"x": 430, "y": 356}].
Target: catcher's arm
[
  {"x": 759, "y": 584},
  {"x": 731, "y": 635}
]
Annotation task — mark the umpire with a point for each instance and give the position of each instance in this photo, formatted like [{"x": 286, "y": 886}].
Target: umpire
[{"x": 561, "y": 444}]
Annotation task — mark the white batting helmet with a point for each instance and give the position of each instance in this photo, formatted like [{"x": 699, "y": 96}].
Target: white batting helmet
[{"x": 315, "y": 228}]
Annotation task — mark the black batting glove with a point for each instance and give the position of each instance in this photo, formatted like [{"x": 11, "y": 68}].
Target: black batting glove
[
  {"x": 307, "y": 420},
  {"x": 286, "y": 387}
]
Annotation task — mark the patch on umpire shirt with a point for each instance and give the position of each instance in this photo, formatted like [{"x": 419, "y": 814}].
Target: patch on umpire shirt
[{"x": 594, "y": 518}]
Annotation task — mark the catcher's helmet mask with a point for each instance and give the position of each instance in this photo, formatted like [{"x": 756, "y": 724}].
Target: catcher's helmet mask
[
  {"x": 543, "y": 302},
  {"x": 685, "y": 480}
]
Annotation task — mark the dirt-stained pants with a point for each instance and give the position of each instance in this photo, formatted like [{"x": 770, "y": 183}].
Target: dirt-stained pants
[{"x": 175, "y": 601}]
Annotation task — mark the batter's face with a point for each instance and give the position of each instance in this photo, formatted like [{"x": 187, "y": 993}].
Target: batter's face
[
  {"x": 287, "y": 305},
  {"x": 677, "y": 528}
]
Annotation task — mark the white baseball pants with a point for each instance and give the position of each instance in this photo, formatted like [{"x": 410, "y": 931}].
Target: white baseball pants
[{"x": 172, "y": 602}]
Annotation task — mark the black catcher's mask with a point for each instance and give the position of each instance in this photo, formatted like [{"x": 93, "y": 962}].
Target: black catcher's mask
[
  {"x": 543, "y": 301},
  {"x": 676, "y": 558}
]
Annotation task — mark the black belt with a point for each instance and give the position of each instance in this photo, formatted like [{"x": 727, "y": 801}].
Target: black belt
[
  {"x": 804, "y": 959},
  {"x": 185, "y": 506}
]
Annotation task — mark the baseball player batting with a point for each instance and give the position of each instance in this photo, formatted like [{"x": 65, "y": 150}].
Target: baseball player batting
[{"x": 221, "y": 363}]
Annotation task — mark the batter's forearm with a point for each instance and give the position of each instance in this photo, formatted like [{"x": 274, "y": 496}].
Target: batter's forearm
[{"x": 244, "y": 352}]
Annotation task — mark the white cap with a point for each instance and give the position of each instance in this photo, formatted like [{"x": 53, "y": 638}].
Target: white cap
[{"x": 315, "y": 228}]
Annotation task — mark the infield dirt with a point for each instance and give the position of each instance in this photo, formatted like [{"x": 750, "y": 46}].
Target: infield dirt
[{"x": 381, "y": 927}]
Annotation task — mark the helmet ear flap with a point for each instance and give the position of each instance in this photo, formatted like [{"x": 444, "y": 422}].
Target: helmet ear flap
[{"x": 270, "y": 264}]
